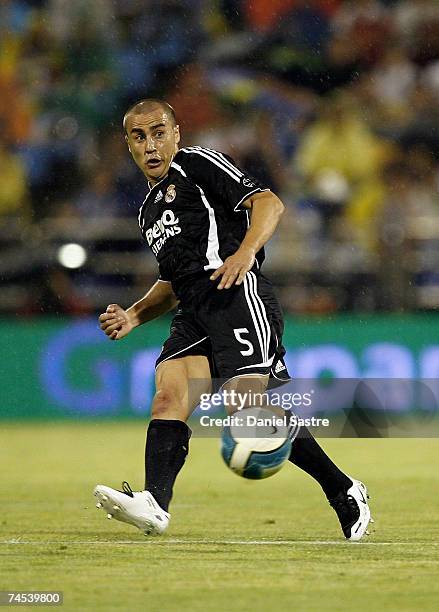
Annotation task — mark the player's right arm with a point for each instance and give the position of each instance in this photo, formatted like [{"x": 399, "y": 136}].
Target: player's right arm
[{"x": 117, "y": 323}]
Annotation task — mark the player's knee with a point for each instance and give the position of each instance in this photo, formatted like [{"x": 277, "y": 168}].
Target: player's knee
[{"x": 165, "y": 403}]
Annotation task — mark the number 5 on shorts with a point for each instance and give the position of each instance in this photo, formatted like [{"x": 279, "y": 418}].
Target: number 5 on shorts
[{"x": 239, "y": 331}]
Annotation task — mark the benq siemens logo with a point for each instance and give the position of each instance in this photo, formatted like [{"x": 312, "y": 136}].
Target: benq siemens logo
[{"x": 165, "y": 228}]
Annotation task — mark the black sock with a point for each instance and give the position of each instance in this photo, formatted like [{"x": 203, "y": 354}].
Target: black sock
[
  {"x": 167, "y": 444},
  {"x": 312, "y": 459}
]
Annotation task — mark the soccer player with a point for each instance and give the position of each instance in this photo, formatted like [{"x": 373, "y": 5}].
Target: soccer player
[{"x": 206, "y": 221}]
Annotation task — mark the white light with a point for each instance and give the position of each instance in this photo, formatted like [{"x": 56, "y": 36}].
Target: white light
[
  {"x": 72, "y": 255},
  {"x": 332, "y": 186}
]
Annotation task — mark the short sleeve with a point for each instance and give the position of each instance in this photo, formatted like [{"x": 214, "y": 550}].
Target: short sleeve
[{"x": 217, "y": 175}]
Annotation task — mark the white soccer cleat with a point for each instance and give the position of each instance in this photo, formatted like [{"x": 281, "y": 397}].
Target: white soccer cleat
[
  {"x": 353, "y": 511},
  {"x": 136, "y": 508}
]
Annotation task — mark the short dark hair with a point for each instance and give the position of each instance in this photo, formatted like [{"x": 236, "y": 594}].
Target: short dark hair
[{"x": 142, "y": 105}]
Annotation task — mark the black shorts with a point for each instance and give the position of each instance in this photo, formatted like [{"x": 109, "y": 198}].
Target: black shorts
[{"x": 239, "y": 330}]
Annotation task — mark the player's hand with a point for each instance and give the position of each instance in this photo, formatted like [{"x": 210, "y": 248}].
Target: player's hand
[
  {"x": 115, "y": 322},
  {"x": 235, "y": 268}
]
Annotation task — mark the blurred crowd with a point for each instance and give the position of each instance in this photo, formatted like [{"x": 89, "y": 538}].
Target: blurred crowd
[{"x": 333, "y": 104}]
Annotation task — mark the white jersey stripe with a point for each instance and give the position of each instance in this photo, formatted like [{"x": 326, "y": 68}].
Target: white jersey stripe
[
  {"x": 139, "y": 216},
  {"x": 214, "y": 161},
  {"x": 264, "y": 364},
  {"x": 182, "y": 350},
  {"x": 227, "y": 161},
  {"x": 261, "y": 310},
  {"x": 212, "y": 252},
  {"x": 255, "y": 317},
  {"x": 265, "y": 330},
  {"x": 222, "y": 158},
  {"x": 254, "y": 295},
  {"x": 247, "y": 195},
  {"x": 179, "y": 168}
]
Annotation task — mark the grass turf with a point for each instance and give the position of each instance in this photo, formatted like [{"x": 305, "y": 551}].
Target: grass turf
[{"x": 232, "y": 545}]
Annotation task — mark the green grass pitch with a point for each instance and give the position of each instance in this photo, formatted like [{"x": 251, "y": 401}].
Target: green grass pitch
[{"x": 232, "y": 544}]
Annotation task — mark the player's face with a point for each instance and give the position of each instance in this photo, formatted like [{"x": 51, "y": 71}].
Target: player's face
[{"x": 153, "y": 141}]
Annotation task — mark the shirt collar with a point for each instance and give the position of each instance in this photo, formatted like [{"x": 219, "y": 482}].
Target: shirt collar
[{"x": 151, "y": 187}]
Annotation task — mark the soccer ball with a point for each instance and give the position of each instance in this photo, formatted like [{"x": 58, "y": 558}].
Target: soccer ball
[{"x": 256, "y": 444}]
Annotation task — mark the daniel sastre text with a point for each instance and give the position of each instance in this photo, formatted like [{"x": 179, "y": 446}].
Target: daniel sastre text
[{"x": 238, "y": 420}]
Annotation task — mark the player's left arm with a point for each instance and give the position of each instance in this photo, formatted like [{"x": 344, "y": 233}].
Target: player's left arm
[{"x": 267, "y": 210}]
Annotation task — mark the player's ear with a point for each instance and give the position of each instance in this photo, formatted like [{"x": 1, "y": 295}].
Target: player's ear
[
  {"x": 177, "y": 134},
  {"x": 128, "y": 143}
]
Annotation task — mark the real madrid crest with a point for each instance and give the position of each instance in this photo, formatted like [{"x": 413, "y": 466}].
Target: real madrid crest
[{"x": 170, "y": 194}]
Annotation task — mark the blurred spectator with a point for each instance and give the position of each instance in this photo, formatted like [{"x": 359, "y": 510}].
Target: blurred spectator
[
  {"x": 333, "y": 104},
  {"x": 262, "y": 158},
  {"x": 417, "y": 22},
  {"x": 394, "y": 77},
  {"x": 198, "y": 108},
  {"x": 54, "y": 293},
  {"x": 67, "y": 19},
  {"x": 303, "y": 27},
  {"x": 261, "y": 15},
  {"x": 343, "y": 62},
  {"x": 390, "y": 218},
  {"x": 395, "y": 256},
  {"x": 368, "y": 24},
  {"x": 99, "y": 199},
  {"x": 13, "y": 187},
  {"x": 337, "y": 155},
  {"x": 423, "y": 120}
]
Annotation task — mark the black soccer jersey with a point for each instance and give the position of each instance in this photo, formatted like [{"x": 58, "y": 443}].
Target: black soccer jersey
[{"x": 193, "y": 219}]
